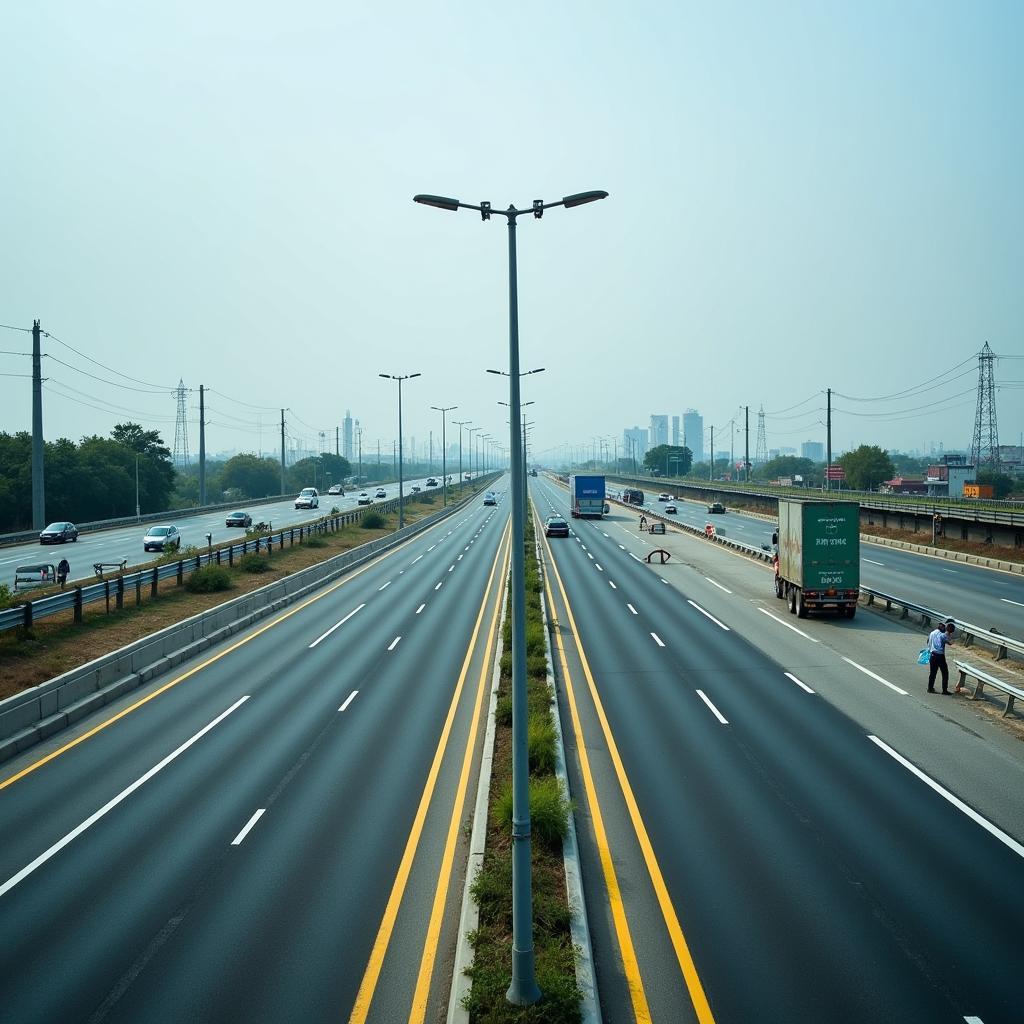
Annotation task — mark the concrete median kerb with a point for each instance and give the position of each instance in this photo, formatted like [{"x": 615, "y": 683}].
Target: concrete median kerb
[{"x": 37, "y": 713}]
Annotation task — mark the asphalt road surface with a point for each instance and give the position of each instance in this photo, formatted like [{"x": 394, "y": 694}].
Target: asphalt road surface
[
  {"x": 777, "y": 823},
  {"x": 273, "y": 833}
]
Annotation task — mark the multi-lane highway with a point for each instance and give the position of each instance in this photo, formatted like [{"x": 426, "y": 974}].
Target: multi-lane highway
[
  {"x": 270, "y": 834},
  {"x": 982, "y": 596},
  {"x": 777, "y": 822},
  {"x": 126, "y": 541}
]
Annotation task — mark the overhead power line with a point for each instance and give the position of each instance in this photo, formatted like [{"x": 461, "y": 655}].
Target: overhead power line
[
  {"x": 113, "y": 383},
  {"x": 109, "y": 369},
  {"x": 906, "y": 393}
]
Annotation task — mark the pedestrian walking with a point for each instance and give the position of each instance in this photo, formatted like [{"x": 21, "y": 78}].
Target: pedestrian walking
[
  {"x": 938, "y": 639},
  {"x": 63, "y": 570}
]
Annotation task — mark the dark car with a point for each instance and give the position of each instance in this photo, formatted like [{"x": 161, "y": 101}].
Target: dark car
[
  {"x": 671, "y": 509},
  {"x": 556, "y": 526},
  {"x": 242, "y": 519},
  {"x": 161, "y": 538},
  {"x": 716, "y": 507},
  {"x": 58, "y": 533}
]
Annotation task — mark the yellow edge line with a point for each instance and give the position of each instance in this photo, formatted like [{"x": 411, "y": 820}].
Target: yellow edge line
[
  {"x": 198, "y": 668},
  {"x": 693, "y": 984},
  {"x": 422, "y": 992},
  {"x": 368, "y": 986},
  {"x": 630, "y": 967}
]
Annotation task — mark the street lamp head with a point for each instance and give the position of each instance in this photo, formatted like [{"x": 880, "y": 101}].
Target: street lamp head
[
  {"x": 386, "y": 376},
  {"x": 583, "y": 197},
  {"x": 441, "y": 202},
  {"x": 411, "y": 375},
  {"x": 498, "y": 373}
]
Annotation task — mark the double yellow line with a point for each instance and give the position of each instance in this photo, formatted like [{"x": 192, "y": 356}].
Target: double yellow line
[
  {"x": 631, "y": 969},
  {"x": 371, "y": 976}
]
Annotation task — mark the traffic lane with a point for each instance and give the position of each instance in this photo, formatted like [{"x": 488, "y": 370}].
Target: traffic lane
[
  {"x": 877, "y": 798},
  {"x": 36, "y": 809},
  {"x": 858, "y": 666},
  {"x": 316, "y": 871},
  {"x": 126, "y": 541},
  {"x": 211, "y": 805}
]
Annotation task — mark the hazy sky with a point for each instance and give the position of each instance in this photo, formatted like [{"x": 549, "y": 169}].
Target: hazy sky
[{"x": 802, "y": 196}]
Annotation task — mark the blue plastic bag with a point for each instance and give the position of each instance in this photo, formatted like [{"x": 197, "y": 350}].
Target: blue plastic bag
[{"x": 924, "y": 657}]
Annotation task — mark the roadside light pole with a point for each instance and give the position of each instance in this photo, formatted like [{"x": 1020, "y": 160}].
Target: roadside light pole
[
  {"x": 400, "y": 377},
  {"x": 472, "y": 465},
  {"x": 460, "y": 424},
  {"x": 443, "y": 409},
  {"x": 523, "y": 990}
]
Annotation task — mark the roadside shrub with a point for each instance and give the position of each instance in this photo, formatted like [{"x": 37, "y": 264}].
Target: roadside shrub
[
  {"x": 255, "y": 563},
  {"x": 542, "y": 744},
  {"x": 314, "y": 541},
  {"x": 335, "y": 511},
  {"x": 372, "y": 521},
  {"x": 549, "y": 811},
  {"x": 5, "y": 596},
  {"x": 208, "y": 580}
]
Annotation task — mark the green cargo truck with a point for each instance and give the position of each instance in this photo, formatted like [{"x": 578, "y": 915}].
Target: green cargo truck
[{"x": 817, "y": 556}]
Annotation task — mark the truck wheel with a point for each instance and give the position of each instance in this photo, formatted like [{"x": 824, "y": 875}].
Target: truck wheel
[
  {"x": 801, "y": 608},
  {"x": 778, "y": 588},
  {"x": 851, "y": 611},
  {"x": 792, "y": 600}
]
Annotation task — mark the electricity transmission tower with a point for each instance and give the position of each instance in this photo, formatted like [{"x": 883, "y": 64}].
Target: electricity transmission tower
[
  {"x": 985, "y": 446},
  {"x": 761, "y": 452},
  {"x": 181, "y": 426}
]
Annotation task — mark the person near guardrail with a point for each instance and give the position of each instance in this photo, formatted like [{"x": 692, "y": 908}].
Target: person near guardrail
[
  {"x": 63, "y": 571},
  {"x": 938, "y": 640}
]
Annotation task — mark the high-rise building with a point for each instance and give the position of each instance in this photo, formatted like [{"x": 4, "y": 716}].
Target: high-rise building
[
  {"x": 659, "y": 431},
  {"x": 675, "y": 431},
  {"x": 347, "y": 436},
  {"x": 693, "y": 433},
  {"x": 813, "y": 450},
  {"x": 634, "y": 443}
]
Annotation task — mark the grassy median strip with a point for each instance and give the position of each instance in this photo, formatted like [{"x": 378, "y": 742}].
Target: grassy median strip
[
  {"x": 56, "y": 644},
  {"x": 491, "y": 972}
]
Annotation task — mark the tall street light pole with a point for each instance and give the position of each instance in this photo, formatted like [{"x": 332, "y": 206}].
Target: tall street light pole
[
  {"x": 443, "y": 409},
  {"x": 401, "y": 494},
  {"x": 523, "y": 990},
  {"x": 460, "y": 424},
  {"x": 472, "y": 465}
]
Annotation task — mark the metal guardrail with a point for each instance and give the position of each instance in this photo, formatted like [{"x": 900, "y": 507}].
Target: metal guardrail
[
  {"x": 983, "y": 679},
  {"x": 970, "y": 632}
]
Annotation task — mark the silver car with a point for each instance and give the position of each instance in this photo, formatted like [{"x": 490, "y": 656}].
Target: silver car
[{"x": 162, "y": 538}]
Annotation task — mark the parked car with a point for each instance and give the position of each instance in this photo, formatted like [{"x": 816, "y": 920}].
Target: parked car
[
  {"x": 432, "y": 481},
  {"x": 336, "y": 489},
  {"x": 364, "y": 498},
  {"x": 309, "y": 497},
  {"x": 161, "y": 538},
  {"x": 242, "y": 519},
  {"x": 716, "y": 507},
  {"x": 381, "y": 493},
  {"x": 556, "y": 526},
  {"x": 671, "y": 509},
  {"x": 59, "y": 533}
]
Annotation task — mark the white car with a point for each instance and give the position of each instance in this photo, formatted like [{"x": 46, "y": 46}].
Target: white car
[
  {"x": 381, "y": 493},
  {"x": 161, "y": 538},
  {"x": 364, "y": 498},
  {"x": 309, "y": 497}
]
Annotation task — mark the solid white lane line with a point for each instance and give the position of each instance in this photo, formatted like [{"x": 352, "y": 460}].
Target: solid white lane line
[
  {"x": 438, "y": 586},
  {"x": 708, "y": 614},
  {"x": 386, "y": 585},
  {"x": 324, "y": 636},
  {"x": 421, "y": 607},
  {"x": 416, "y": 559},
  {"x": 973, "y": 1020},
  {"x": 635, "y": 559},
  {"x": 633, "y": 610},
  {"x": 394, "y": 643},
  {"x": 111, "y": 804},
  {"x": 597, "y": 566},
  {"x": 237, "y": 841},
  {"x": 612, "y": 585},
  {"x": 872, "y": 561},
  {"x": 348, "y": 700},
  {"x": 803, "y": 686},
  {"x": 874, "y": 675},
  {"x": 658, "y": 640},
  {"x": 788, "y": 625},
  {"x": 719, "y": 585},
  {"x": 987, "y": 825},
  {"x": 718, "y": 714},
  {"x": 1008, "y": 601}
]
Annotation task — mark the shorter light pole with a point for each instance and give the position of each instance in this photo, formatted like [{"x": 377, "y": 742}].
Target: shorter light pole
[
  {"x": 401, "y": 497},
  {"x": 460, "y": 424},
  {"x": 471, "y": 431},
  {"x": 442, "y": 409},
  {"x": 138, "y": 515}
]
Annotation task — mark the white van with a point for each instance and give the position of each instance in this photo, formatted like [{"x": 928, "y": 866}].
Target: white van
[{"x": 308, "y": 497}]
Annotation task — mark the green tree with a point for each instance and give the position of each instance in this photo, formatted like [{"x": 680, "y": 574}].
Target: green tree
[
  {"x": 252, "y": 476},
  {"x": 1002, "y": 483},
  {"x": 866, "y": 467},
  {"x": 15, "y": 481},
  {"x": 315, "y": 471},
  {"x": 669, "y": 460},
  {"x": 788, "y": 465}
]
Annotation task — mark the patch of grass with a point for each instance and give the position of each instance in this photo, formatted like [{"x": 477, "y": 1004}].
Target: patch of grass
[
  {"x": 314, "y": 541},
  {"x": 255, "y": 563},
  {"x": 549, "y": 811},
  {"x": 372, "y": 521},
  {"x": 208, "y": 580}
]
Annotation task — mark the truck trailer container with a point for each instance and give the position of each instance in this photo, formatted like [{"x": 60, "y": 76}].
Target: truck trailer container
[
  {"x": 817, "y": 556},
  {"x": 586, "y": 496}
]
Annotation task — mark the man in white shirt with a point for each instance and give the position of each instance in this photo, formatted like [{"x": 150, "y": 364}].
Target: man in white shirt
[{"x": 938, "y": 639}]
